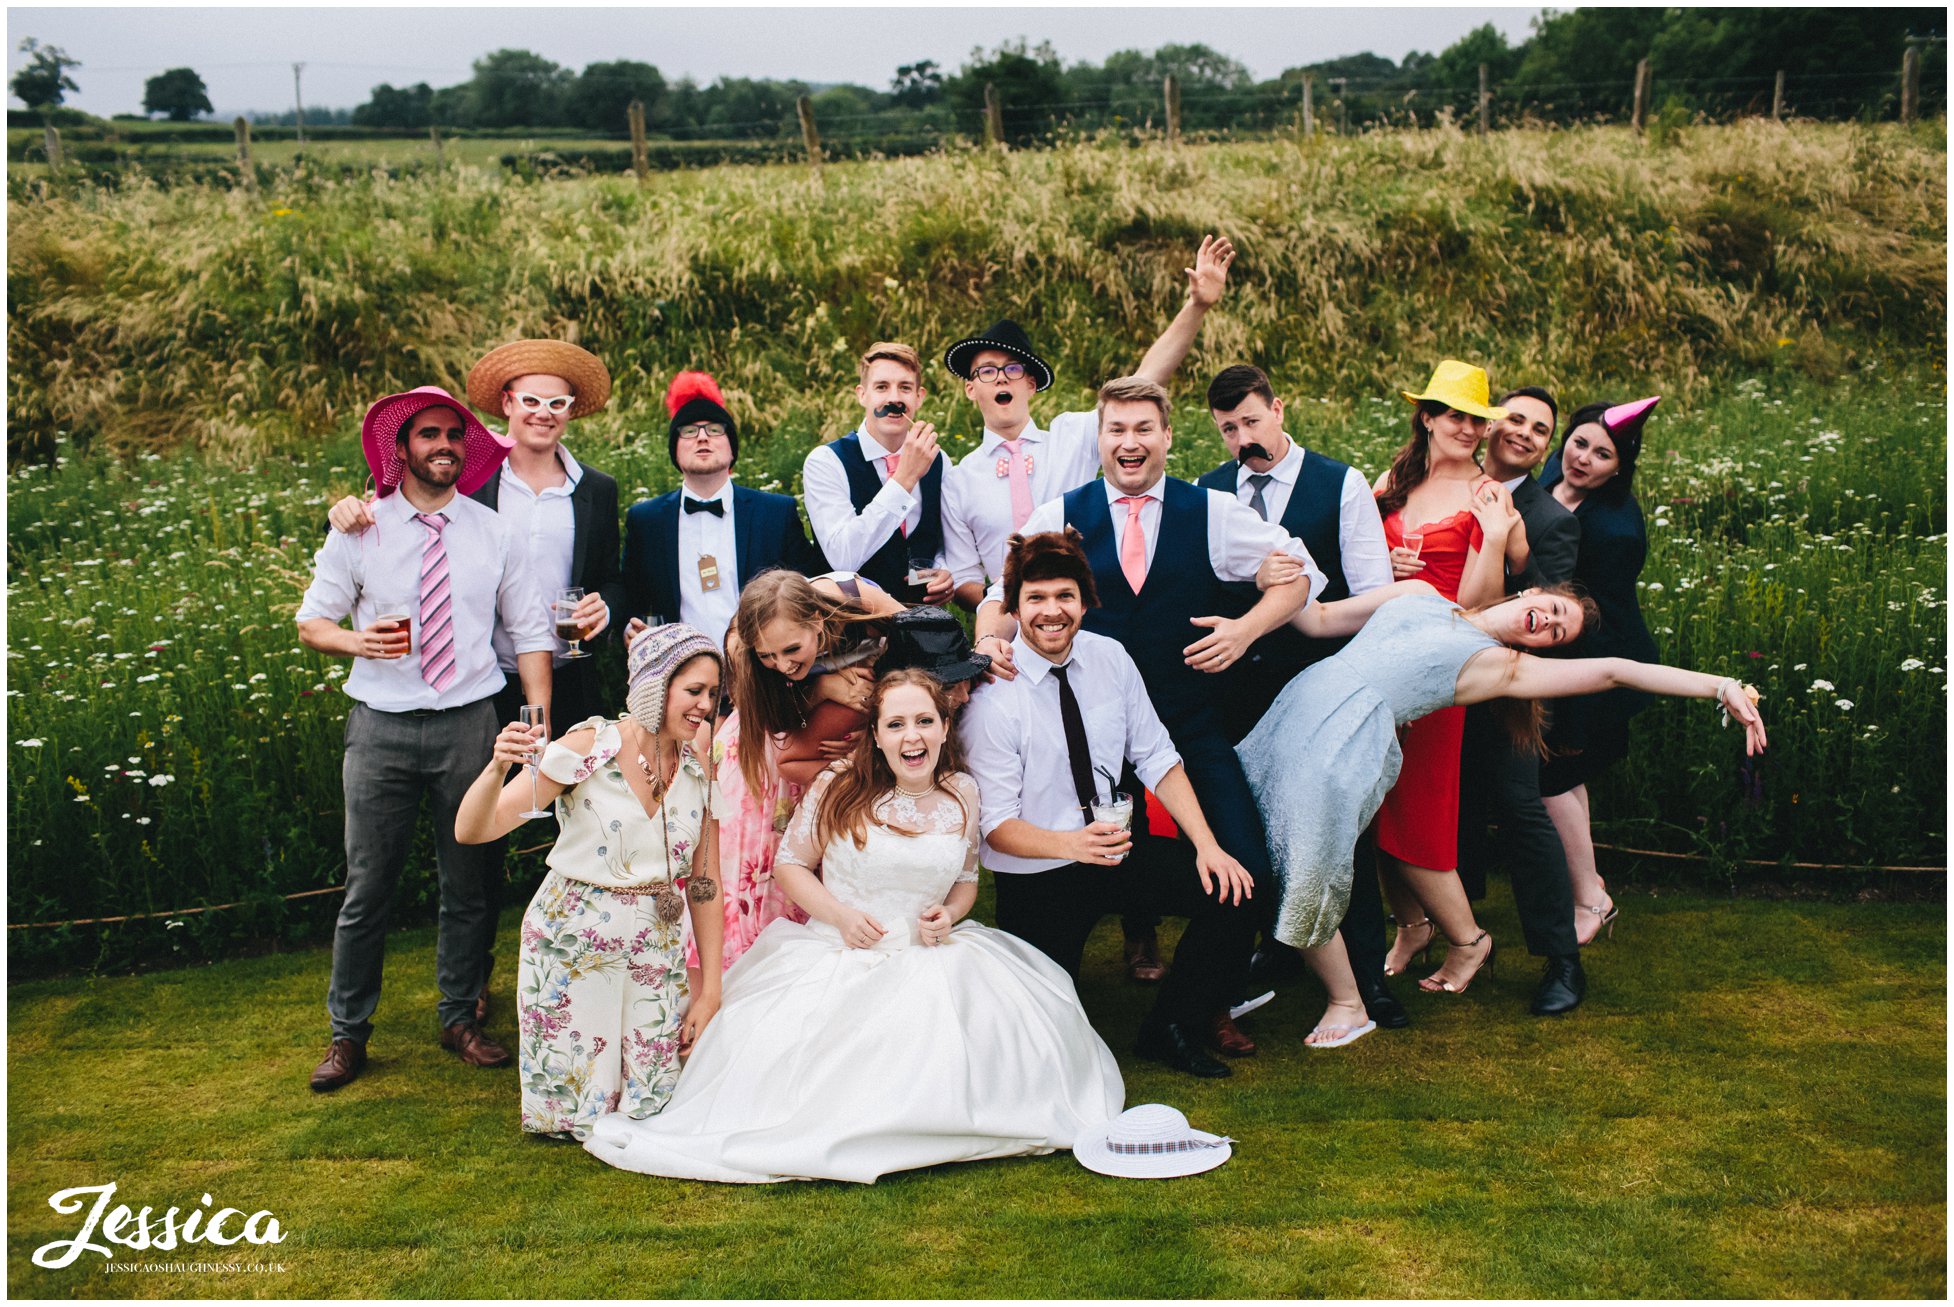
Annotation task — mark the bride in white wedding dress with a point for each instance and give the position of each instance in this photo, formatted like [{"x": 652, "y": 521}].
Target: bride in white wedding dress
[{"x": 885, "y": 1033}]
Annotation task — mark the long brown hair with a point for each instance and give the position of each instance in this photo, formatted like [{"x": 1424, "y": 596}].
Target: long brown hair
[
  {"x": 1525, "y": 720},
  {"x": 849, "y": 805},
  {"x": 1413, "y": 462},
  {"x": 768, "y": 703}
]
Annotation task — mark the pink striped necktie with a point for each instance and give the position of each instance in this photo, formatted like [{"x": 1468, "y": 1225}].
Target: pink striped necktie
[
  {"x": 437, "y": 624},
  {"x": 1020, "y": 483},
  {"x": 1133, "y": 542}
]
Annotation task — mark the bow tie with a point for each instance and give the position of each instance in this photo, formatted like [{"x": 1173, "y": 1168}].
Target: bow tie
[{"x": 713, "y": 506}]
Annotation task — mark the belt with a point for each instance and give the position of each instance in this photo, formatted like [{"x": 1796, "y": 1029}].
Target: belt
[{"x": 429, "y": 712}]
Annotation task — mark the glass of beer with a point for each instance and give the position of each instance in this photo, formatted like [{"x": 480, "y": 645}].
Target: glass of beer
[
  {"x": 532, "y": 717},
  {"x": 396, "y": 614},
  {"x": 1118, "y": 810},
  {"x": 568, "y": 629}
]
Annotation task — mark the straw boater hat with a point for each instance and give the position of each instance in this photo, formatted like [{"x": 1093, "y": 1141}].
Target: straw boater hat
[
  {"x": 1457, "y": 385},
  {"x": 654, "y": 659},
  {"x": 380, "y": 435},
  {"x": 585, "y": 372},
  {"x": 1004, "y": 335},
  {"x": 1150, "y": 1142}
]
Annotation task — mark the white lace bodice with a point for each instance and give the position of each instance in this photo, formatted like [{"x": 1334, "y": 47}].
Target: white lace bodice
[{"x": 915, "y": 852}]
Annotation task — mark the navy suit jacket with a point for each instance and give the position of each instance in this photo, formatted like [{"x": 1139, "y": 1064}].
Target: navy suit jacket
[
  {"x": 593, "y": 558},
  {"x": 767, "y": 533}
]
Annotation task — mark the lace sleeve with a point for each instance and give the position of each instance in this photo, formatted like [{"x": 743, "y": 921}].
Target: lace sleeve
[
  {"x": 797, "y": 844},
  {"x": 967, "y": 791}
]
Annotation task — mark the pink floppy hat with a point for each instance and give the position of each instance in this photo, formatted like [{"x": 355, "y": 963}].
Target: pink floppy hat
[{"x": 380, "y": 432}]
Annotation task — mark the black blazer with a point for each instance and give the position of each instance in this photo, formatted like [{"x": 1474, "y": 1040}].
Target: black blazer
[
  {"x": 1553, "y": 537},
  {"x": 593, "y": 558},
  {"x": 767, "y": 533}
]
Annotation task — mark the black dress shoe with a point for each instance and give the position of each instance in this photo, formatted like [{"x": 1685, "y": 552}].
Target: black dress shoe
[
  {"x": 1273, "y": 965},
  {"x": 1169, "y": 1043},
  {"x": 1382, "y": 1005},
  {"x": 1562, "y": 986}
]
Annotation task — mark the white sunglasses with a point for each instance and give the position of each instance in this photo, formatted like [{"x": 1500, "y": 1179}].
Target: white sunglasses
[{"x": 533, "y": 403}]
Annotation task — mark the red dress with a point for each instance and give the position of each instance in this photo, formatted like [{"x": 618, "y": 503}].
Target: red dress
[{"x": 1419, "y": 822}]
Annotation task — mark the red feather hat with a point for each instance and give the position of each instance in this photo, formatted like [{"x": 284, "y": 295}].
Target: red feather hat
[{"x": 694, "y": 397}]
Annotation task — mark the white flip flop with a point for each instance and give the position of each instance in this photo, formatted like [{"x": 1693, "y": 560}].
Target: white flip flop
[
  {"x": 1351, "y": 1034},
  {"x": 1248, "y": 1005}
]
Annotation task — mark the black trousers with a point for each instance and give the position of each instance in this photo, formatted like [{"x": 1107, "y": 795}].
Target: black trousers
[
  {"x": 1055, "y": 911},
  {"x": 1498, "y": 783}
]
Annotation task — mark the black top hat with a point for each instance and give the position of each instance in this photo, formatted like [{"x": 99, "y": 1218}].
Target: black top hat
[
  {"x": 930, "y": 639},
  {"x": 1007, "y": 336}
]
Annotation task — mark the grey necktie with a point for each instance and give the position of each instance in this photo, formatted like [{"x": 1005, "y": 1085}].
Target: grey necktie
[{"x": 1260, "y": 480}]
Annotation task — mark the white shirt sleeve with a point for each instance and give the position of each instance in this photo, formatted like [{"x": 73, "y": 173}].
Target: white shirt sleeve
[
  {"x": 1238, "y": 541},
  {"x": 1048, "y": 516},
  {"x": 848, "y": 539},
  {"x": 993, "y": 757},
  {"x": 1148, "y": 746},
  {"x": 960, "y": 553},
  {"x": 334, "y": 589},
  {"x": 523, "y": 606},
  {"x": 1360, "y": 531}
]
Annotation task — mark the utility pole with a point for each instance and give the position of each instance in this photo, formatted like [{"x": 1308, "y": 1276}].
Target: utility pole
[{"x": 298, "y": 103}]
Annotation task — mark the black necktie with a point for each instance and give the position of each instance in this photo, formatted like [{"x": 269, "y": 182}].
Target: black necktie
[
  {"x": 1078, "y": 751},
  {"x": 712, "y": 506}
]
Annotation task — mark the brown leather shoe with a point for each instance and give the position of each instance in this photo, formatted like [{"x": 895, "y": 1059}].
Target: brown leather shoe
[
  {"x": 343, "y": 1062},
  {"x": 474, "y": 1047},
  {"x": 481, "y": 1006},
  {"x": 1143, "y": 959},
  {"x": 1227, "y": 1037}
]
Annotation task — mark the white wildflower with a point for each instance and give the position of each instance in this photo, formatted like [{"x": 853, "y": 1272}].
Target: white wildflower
[{"x": 1823, "y": 685}]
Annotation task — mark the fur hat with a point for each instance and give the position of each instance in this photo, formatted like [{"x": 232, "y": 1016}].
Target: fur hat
[
  {"x": 1047, "y": 556},
  {"x": 694, "y": 397}
]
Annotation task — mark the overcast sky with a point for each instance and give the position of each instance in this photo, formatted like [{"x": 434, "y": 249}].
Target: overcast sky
[{"x": 245, "y": 54}]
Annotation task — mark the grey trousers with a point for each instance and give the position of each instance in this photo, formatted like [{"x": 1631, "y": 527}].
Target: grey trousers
[{"x": 392, "y": 760}]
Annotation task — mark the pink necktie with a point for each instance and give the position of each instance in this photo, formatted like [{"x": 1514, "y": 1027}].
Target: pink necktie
[
  {"x": 1133, "y": 545},
  {"x": 1020, "y": 484},
  {"x": 889, "y": 461},
  {"x": 437, "y": 611}
]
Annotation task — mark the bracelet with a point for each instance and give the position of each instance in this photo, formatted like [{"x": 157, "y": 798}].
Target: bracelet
[{"x": 1750, "y": 692}]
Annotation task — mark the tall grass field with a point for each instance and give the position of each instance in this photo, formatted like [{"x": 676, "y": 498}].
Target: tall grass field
[{"x": 188, "y": 368}]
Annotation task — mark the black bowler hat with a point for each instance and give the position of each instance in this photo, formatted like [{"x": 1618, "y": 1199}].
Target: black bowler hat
[
  {"x": 930, "y": 639},
  {"x": 1007, "y": 336}
]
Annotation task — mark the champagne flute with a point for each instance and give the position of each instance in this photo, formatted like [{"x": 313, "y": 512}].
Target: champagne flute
[
  {"x": 567, "y": 627},
  {"x": 532, "y": 717}
]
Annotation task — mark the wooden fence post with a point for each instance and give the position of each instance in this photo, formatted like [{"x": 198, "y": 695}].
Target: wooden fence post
[
  {"x": 993, "y": 116},
  {"x": 809, "y": 136},
  {"x": 1485, "y": 102},
  {"x": 1640, "y": 114},
  {"x": 1777, "y": 99},
  {"x": 440, "y": 152},
  {"x": 242, "y": 131},
  {"x": 51, "y": 140},
  {"x": 1910, "y": 84},
  {"x": 1172, "y": 91},
  {"x": 639, "y": 163},
  {"x": 1309, "y": 115}
]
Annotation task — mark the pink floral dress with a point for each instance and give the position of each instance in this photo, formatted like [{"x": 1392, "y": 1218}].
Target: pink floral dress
[
  {"x": 601, "y": 965},
  {"x": 750, "y": 827}
]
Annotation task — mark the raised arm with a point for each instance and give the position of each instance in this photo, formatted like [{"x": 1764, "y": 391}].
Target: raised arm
[
  {"x": 1509, "y": 674},
  {"x": 490, "y": 809},
  {"x": 1341, "y": 617},
  {"x": 1205, "y": 282}
]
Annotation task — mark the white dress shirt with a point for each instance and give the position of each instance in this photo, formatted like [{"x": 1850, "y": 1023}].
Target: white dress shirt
[
  {"x": 1014, "y": 741},
  {"x": 710, "y": 612},
  {"x": 977, "y": 501},
  {"x": 543, "y": 530},
  {"x": 379, "y": 571},
  {"x": 1238, "y": 540},
  {"x": 849, "y": 539},
  {"x": 1360, "y": 530}
]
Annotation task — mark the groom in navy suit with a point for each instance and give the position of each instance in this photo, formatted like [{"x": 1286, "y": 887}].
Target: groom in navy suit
[{"x": 687, "y": 553}]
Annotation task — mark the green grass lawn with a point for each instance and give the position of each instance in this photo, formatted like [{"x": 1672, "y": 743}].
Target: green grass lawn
[{"x": 1751, "y": 1103}]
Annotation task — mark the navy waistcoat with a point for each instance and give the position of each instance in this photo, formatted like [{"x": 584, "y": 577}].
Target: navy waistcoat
[{"x": 888, "y": 565}]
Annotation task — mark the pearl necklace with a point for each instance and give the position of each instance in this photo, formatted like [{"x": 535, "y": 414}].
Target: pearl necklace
[{"x": 917, "y": 794}]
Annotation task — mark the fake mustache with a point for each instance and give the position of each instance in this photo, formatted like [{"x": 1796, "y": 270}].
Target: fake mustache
[
  {"x": 1250, "y": 450},
  {"x": 895, "y": 408}
]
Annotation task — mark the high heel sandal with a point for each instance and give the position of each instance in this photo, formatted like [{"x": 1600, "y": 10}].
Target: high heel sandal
[
  {"x": 1423, "y": 955},
  {"x": 1433, "y": 985},
  {"x": 1607, "y": 922}
]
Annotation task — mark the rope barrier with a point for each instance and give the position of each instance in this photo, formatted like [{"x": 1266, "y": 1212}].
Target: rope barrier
[{"x": 338, "y": 889}]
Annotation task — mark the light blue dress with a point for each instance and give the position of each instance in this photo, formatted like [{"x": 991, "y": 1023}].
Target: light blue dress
[{"x": 1322, "y": 758}]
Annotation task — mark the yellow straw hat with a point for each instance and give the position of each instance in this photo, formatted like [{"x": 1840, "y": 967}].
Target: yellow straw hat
[
  {"x": 1453, "y": 384},
  {"x": 585, "y": 372}
]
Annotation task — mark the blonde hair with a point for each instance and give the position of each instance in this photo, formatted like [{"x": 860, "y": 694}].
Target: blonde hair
[
  {"x": 895, "y": 352},
  {"x": 1128, "y": 389}
]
